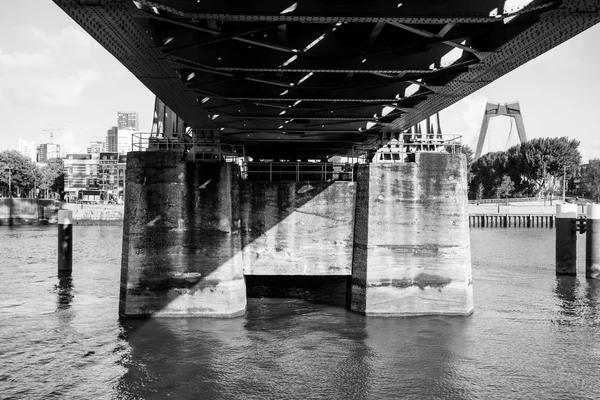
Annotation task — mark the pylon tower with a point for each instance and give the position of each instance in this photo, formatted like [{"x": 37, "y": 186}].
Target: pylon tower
[{"x": 512, "y": 110}]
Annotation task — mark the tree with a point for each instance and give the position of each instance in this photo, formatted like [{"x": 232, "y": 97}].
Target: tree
[
  {"x": 468, "y": 152},
  {"x": 52, "y": 176},
  {"x": 19, "y": 169},
  {"x": 479, "y": 194},
  {"x": 505, "y": 187},
  {"x": 487, "y": 170},
  {"x": 535, "y": 167},
  {"x": 543, "y": 161},
  {"x": 590, "y": 176}
]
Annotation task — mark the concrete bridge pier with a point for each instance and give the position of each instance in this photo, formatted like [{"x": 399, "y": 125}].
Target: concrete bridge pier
[
  {"x": 411, "y": 238},
  {"x": 181, "y": 238}
]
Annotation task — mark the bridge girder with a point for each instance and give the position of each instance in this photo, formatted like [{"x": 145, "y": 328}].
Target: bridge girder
[{"x": 318, "y": 78}]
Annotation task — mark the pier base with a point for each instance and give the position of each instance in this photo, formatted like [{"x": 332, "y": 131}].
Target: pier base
[
  {"x": 411, "y": 239},
  {"x": 592, "y": 242},
  {"x": 181, "y": 239},
  {"x": 566, "y": 239}
]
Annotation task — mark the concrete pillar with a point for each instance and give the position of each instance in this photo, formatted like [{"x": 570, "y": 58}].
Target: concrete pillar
[
  {"x": 592, "y": 242},
  {"x": 411, "y": 251},
  {"x": 566, "y": 239},
  {"x": 181, "y": 238}
]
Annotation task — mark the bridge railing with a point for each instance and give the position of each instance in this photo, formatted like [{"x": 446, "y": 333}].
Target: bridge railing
[
  {"x": 398, "y": 147},
  {"x": 199, "y": 149},
  {"x": 300, "y": 171},
  {"x": 194, "y": 147},
  {"x": 513, "y": 200}
]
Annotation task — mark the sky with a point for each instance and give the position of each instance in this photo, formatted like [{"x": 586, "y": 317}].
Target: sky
[{"x": 53, "y": 75}]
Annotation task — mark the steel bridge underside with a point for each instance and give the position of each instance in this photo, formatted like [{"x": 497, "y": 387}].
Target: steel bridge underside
[{"x": 312, "y": 79}]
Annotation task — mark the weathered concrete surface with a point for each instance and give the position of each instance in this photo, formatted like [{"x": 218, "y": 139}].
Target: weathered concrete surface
[
  {"x": 181, "y": 239},
  {"x": 411, "y": 239},
  {"x": 297, "y": 228},
  {"x": 28, "y": 211}
]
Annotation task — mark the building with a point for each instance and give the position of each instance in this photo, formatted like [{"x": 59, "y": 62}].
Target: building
[
  {"x": 119, "y": 140},
  {"x": 576, "y": 184},
  {"x": 81, "y": 176},
  {"x": 96, "y": 147},
  {"x": 27, "y": 149},
  {"x": 124, "y": 140},
  {"x": 128, "y": 120},
  {"x": 94, "y": 177},
  {"x": 111, "y": 139},
  {"x": 48, "y": 151},
  {"x": 112, "y": 174}
]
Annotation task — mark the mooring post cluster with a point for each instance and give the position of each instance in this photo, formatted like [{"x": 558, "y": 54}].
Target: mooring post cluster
[{"x": 567, "y": 227}]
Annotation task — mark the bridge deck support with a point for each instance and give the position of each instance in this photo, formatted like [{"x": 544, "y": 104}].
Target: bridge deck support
[
  {"x": 181, "y": 239},
  {"x": 411, "y": 238}
]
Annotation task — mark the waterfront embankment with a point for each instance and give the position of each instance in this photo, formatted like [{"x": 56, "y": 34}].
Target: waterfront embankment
[
  {"x": 17, "y": 211},
  {"x": 516, "y": 214},
  {"x": 95, "y": 214}
]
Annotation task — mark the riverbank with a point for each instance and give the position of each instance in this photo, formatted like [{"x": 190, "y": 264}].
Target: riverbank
[
  {"x": 95, "y": 214},
  {"x": 17, "y": 211}
]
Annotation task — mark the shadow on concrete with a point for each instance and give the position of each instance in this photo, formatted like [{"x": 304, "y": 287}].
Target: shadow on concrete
[{"x": 329, "y": 290}]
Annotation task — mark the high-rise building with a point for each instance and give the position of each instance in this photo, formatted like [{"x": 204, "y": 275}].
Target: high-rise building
[
  {"x": 111, "y": 139},
  {"x": 128, "y": 120},
  {"x": 119, "y": 140},
  {"x": 124, "y": 140},
  {"x": 49, "y": 151},
  {"x": 27, "y": 149},
  {"x": 95, "y": 147}
]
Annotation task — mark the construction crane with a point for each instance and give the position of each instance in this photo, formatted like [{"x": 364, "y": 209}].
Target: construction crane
[{"x": 52, "y": 130}]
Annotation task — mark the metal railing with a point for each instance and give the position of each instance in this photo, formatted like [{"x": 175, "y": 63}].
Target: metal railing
[
  {"x": 195, "y": 147},
  {"x": 503, "y": 200},
  {"x": 199, "y": 148},
  {"x": 300, "y": 171},
  {"x": 398, "y": 147}
]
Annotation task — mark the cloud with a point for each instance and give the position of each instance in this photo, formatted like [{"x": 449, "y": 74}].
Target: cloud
[
  {"x": 589, "y": 152},
  {"x": 66, "y": 92},
  {"x": 69, "y": 38},
  {"x": 52, "y": 91},
  {"x": 70, "y": 142},
  {"x": 25, "y": 60},
  {"x": 53, "y": 70}
]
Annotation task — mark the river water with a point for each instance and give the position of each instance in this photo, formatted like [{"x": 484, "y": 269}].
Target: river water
[{"x": 533, "y": 335}]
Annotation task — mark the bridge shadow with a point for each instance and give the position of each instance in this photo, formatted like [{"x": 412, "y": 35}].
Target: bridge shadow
[
  {"x": 194, "y": 240},
  {"x": 311, "y": 348}
]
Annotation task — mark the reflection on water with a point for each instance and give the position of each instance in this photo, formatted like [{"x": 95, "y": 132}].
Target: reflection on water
[
  {"x": 533, "y": 335},
  {"x": 64, "y": 289}
]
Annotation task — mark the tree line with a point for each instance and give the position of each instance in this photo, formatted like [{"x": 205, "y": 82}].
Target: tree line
[
  {"x": 20, "y": 177},
  {"x": 535, "y": 168}
]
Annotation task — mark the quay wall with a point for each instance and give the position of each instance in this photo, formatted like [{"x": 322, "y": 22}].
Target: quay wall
[
  {"x": 514, "y": 209},
  {"x": 16, "y": 211},
  {"x": 87, "y": 214}
]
